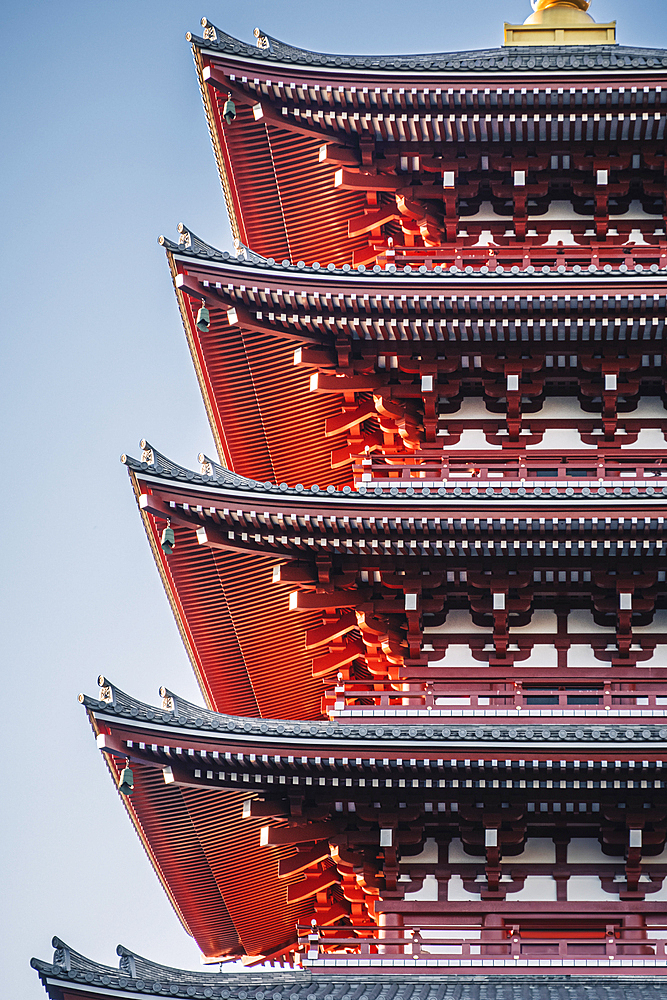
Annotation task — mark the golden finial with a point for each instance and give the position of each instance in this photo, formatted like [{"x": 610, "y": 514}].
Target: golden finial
[
  {"x": 560, "y": 22},
  {"x": 566, "y": 12},
  {"x": 543, "y": 4}
]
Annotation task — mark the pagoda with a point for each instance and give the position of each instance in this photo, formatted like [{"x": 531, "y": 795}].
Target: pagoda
[{"x": 423, "y": 584}]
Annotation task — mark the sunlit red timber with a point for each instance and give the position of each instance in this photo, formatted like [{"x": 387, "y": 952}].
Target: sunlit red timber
[
  {"x": 264, "y": 798},
  {"x": 424, "y": 583}
]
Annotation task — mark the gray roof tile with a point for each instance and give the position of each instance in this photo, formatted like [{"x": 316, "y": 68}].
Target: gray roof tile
[
  {"x": 509, "y": 59},
  {"x": 136, "y": 973}
]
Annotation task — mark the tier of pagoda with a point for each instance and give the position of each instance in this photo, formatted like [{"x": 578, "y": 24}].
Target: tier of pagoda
[{"x": 423, "y": 585}]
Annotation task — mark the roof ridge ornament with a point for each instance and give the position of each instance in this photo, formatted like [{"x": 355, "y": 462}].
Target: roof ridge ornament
[
  {"x": 210, "y": 33},
  {"x": 209, "y": 466},
  {"x": 247, "y": 254},
  {"x": 263, "y": 41}
]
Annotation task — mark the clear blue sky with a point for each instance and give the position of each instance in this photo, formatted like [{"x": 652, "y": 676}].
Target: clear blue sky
[{"x": 105, "y": 148}]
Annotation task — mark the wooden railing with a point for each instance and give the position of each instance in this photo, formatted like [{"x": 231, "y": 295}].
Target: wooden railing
[
  {"x": 429, "y": 694},
  {"x": 485, "y": 468},
  {"x": 525, "y": 255},
  {"x": 378, "y": 946}
]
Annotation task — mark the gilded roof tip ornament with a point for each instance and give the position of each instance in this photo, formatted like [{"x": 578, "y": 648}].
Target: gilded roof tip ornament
[
  {"x": 543, "y": 4},
  {"x": 564, "y": 13},
  {"x": 560, "y": 22}
]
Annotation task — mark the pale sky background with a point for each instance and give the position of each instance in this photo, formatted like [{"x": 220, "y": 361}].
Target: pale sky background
[{"x": 105, "y": 147}]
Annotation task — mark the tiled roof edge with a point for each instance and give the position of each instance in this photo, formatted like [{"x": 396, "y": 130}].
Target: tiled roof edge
[
  {"x": 197, "y": 249},
  {"x": 508, "y": 59},
  {"x": 184, "y": 714},
  {"x": 141, "y": 974},
  {"x": 156, "y": 464},
  {"x": 71, "y": 966}
]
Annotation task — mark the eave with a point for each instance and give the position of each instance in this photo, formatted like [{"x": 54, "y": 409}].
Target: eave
[
  {"x": 299, "y": 744},
  {"x": 72, "y": 975},
  {"x": 506, "y": 60}
]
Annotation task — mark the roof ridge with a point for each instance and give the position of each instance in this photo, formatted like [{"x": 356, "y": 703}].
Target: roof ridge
[
  {"x": 178, "y": 711},
  {"x": 508, "y": 58},
  {"x": 246, "y": 257}
]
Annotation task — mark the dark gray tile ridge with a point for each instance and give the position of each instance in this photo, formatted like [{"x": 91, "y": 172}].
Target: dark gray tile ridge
[
  {"x": 71, "y": 966},
  {"x": 159, "y": 465},
  {"x": 137, "y": 973},
  {"x": 508, "y": 59},
  {"x": 153, "y": 463},
  {"x": 184, "y": 714},
  {"x": 192, "y": 246}
]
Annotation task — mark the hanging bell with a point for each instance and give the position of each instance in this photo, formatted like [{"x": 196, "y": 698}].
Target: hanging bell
[
  {"x": 203, "y": 319},
  {"x": 126, "y": 783},
  {"x": 229, "y": 110},
  {"x": 168, "y": 541}
]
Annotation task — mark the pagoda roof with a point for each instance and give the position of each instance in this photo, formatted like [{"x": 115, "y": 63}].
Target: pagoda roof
[
  {"x": 279, "y": 159},
  {"x": 225, "y": 608},
  {"x": 75, "y": 975},
  {"x": 507, "y": 59},
  {"x": 223, "y": 886},
  {"x": 268, "y": 423},
  {"x": 184, "y": 720},
  {"x": 231, "y": 599},
  {"x": 265, "y": 422},
  {"x": 395, "y": 498},
  {"x": 191, "y": 248}
]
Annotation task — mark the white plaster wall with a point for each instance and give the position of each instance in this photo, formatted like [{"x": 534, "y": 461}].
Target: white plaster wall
[
  {"x": 587, "y": 851},
  {"x": 659, "y": 859},
  {"x": 659, "y": 897},
  {"x": 542, "y": 620},
  {"x": 458, "y": 620},
  {"x": 472, "y": 408},
  {"x": 659, "y": 624},
  {"x": 428, "y": 892},
  {"x": 647, "y": 408},
  {"x": 581, "y": 620},
  {"x": 538, "y": 851},
  {"x": 457, "y": 856},
  {"x": 537, "y": 889},
  {"x": 583, "y": 656},
  {"x": 541, "y": 656},
  {"x": 456, "y": 893},
  {"x": 649, "y": 437},
  {"x": 459, "y": 656},
  {"x": 473, "y": 439},
  {"x": 587, "y": 889},
  {"x": 429, "y": 855},
  {"x": 561, "y": 439},
  {"x": 560, "y": 408},
  {"x": 659, "y": 659}
]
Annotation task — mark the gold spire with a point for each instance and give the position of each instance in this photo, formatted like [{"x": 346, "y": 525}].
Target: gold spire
[
  {"x": 543, "y": 4},
  {"x": 560, "y": 22}
]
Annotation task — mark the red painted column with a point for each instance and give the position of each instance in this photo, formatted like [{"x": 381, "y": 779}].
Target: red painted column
[{"x": 391, "y": 927}]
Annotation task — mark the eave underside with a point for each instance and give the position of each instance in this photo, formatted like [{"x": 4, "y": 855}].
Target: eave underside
[
  {"x": 283, "y": 200},
  {"x": 235, "y": 616},
  {"x": 271, "y": 426},
  {"x": 224, "y": 886}
]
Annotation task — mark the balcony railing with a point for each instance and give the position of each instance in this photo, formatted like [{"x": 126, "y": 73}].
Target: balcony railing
[
  {"x": 524, "y": 257},
  {"x": 464, "y": 698},
  {"x": 483, "y": 469},
  {"x": 458, "y": 946}
]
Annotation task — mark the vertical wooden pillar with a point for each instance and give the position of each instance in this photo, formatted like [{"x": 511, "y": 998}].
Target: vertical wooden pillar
[
  {"x": 494, "y": 930},
  {"x": 390, "y": 927},
  {"x": 633, "y": 929}
]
